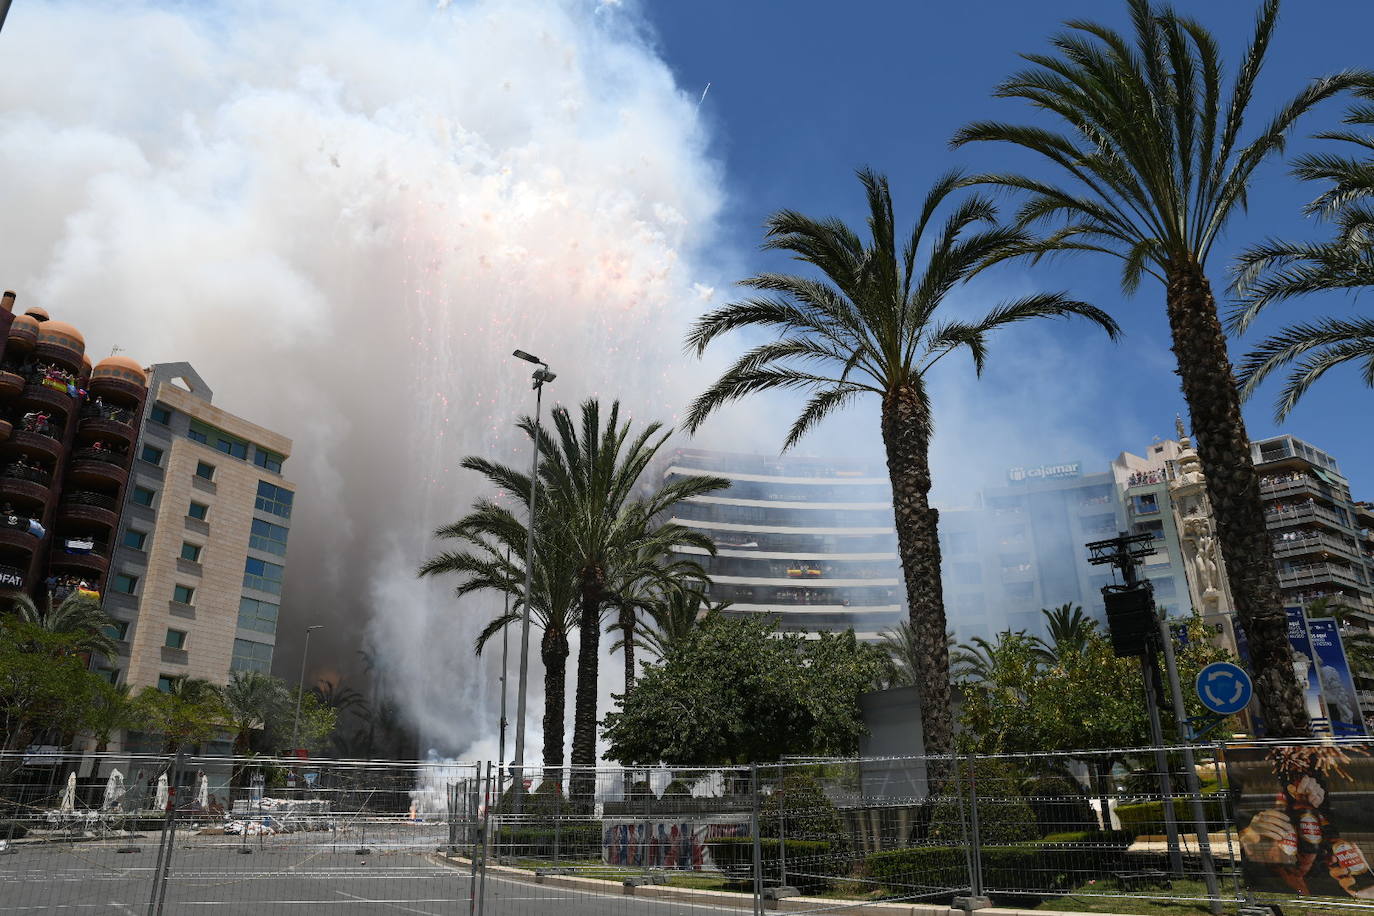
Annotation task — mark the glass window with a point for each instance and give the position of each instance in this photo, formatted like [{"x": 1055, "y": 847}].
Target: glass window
[
  {"x": 184, "y": 594},
  {"x": 166, "y": 682},
  {"x": 135, "y": 539},
  {"x": 161, "y": 414},
  {"x": 251, "y": 656},
  {"x": 176, "y": 639},
  {"x": 263, "y": 576},
  {"x": 198, "y": 511},
  {"x": 151, "y": 454},
  {"x": 190, "y": 551},
  {"x": 196, "y": 435},
  {"x": 116, "y": 629},
  {"x": 258, "y": 615},
  {"x": 274, "y": 499},
  {"x": 268, "y": 460},
  {"x": 268, "y": 537},
  {"x": 144, "y": 496},
  {"x": 125, "y": 583},
  {"x": 110, "y": 675},
  {"x": 205, "y": 471}
]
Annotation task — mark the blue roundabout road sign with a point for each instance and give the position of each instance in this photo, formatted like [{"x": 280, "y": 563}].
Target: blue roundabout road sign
[{"x": 1224, "y": 688}]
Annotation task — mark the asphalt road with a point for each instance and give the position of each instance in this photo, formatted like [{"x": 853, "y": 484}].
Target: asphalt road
[{"x": 290, "y": 878}]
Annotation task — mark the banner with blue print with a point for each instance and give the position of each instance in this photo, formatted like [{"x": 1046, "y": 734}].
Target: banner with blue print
[{"x": 1333, "y": 671}]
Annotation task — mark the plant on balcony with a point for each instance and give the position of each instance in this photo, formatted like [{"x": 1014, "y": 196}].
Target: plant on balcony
[{"x": 871, "y": 323}]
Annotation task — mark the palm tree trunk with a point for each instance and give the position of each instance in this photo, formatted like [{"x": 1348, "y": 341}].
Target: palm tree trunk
[
  {"x": 1209, "y": 387},
  {"x": 553, "y": 651},
  {"x": 627, "y": 634},
  {"x": 906, "y": 438},
  {"x": 583, "y": 782}
]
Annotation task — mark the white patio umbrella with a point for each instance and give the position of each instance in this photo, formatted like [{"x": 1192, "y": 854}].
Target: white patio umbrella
[
  {"x": 69, "y": 794},
  {"x": 203, "y": 793},
  {"x": 114, "y": 790},
  {"x": 162, "y": 792}
]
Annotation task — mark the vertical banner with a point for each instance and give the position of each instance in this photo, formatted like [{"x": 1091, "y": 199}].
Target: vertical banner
[
  {"x": 1305, "y": 666},
  {"x": 1333, "y": 671},
  {"x": 1305, "y": 818}
]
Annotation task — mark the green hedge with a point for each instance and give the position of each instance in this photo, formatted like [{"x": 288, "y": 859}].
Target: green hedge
[
  {"x": 812, "y": 865},
  {"x": 1024, "y": 868},
  {"x": 1147, "y": 818},
  {"x": 574, "y": 840}
]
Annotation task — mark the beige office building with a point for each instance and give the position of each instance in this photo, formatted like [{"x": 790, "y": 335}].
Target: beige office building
[{"x": 197, "y": 575}]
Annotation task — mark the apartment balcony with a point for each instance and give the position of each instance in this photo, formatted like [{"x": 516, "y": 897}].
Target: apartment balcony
[
  {"x": 86, "y": 506},
  {"x": 99, "y": 466},
  {"x": 27, "y": 483},
  {"x": 11, "y": 382},
  {"x": 45, "y": 394},
  {"x": 1315, "y": 573},
  {"x": 107, "y": 423},
  {"x": 25, "y": 334},
  {"x": 46, "y": 444},
  {"x": 1300, "y": 485},
  {"x": 122, "y": 390},
  {"x": 1299, "y": 514},
  {"x": 1313, "y": 543},
  {"x": 6, "y": 429},
  {"x": 16, "y": 534},
  {"x": 93, "y": 561}
]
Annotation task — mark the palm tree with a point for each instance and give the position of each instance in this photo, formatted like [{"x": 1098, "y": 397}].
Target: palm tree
[
  {"x": 252, "y": 700},
  {"x": 1069, "y": 632},
  {"x": 188, "y": 713},
  {"x": 1276, "y": 270},
  {"x": 494, "y": 541},
  {"x": 872, "y": 326},
  {"x": 77, "y": 614},
  {"x": 673, "y": 618},
  {"x": 983, "y": 661},
  {"x": 1157, "y": 167},
  {"x": 647, "y": 586},
  {"x": 591, "y": 473},
  {"x": 339, "y": 697}
]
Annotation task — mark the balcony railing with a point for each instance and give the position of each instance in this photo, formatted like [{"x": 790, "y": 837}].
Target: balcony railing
[
  {"x": 27, "y": 472},
  {"x": 1305, "y": 510},
  {"x": 19, "y": 523},
  {"x": 88, "y": 498},
  {"x": 105, "y": 412},
  {"x": 1317, "y": 572},
  {"x": 81, "y": 547},
  {"x": 108, "y": 455},
  {"x": 40, "y": 424},
  {"x": 1314, "y": 541}
]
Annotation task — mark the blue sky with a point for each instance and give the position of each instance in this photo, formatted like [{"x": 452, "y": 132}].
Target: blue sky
[{"x": 804, "y": 92}]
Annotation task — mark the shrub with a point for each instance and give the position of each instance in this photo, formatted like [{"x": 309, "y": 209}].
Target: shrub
[
  {"x": 1004, "y": 816},
  {"x": 1147, "y": 818},
  {"x": 812, "y": 865},
  {"x": 799, "y": 807},
  {"x": 581, "y": 841},
  {"x": 1058, "y": 805}
]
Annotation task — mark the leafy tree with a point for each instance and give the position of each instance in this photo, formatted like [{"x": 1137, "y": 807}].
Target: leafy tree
[
  {"x": 189, "y": 713},
  {"x": 111, "y": 710},
  {"x": 872, "y": 324},
  {"x": 1151, "y": 145},
  {"x": 77, "y": 614},
  {"x": 1069, "y": 632},
  {"x": 317, "y": 722},
  {"x": 1276, "y": 270},
  {"x": 733, "y": 691},
  {"x": 45, "y": 688}
]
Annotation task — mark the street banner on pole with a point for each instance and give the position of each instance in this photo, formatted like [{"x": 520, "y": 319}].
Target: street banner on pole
[{"x": 1333, "y": 671}]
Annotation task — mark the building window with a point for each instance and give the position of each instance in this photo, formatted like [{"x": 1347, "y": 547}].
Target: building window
[
  {"x": 259, "y": 616},
  {"x": 232, "y": 447},
  {"x": 161, "y": 414},
  {"x": 151, "y": 454},
  {"x": 116, "y": 629},
  {"x": 263, "y": 576},
  {"x": 268, "y": 537},
  {"x": 184, "y": 594},
  {"x": 135, "y": 539},
  {"x": 144, "y": 496},
  {"x": 196, "y": 435},
  {"x": 205, "y": 471},
  {"x": 167, "y": 682},
  {"x": 266, "y": 460},
  {"x": 274, "y": 499},
  {"x": 125, "y": 583},
  {"x": 198, "y": 511},
  {"x": 190, "y": 551},
  {"x": 110, "y": 675},
  {"x": 251, "y": 656},
  {"x": 176, "y": 639}
]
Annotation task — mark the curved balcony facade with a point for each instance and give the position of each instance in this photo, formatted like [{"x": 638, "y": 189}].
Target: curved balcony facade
[
  {"x": 91, "y": 564},
  {"x": 88, "y": 508},
  {"x": 11, "y": 383},
  {"x": 95, "y": 467},
  {"x": 44, "y": 446},
  {"x": 106, "y": 424},
  {"x": 810, "y": 541}
]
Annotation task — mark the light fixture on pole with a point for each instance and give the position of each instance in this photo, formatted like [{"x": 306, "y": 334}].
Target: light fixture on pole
[
  {"x": 300, "y": 688},
  {"x": 540, "y": 376}
]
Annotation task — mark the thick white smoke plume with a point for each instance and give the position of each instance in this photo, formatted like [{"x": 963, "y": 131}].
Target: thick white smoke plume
[{"x": 346, "y": 218}]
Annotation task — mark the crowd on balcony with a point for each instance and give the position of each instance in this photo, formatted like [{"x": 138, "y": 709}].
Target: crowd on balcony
[
  {"x": 1311, "y": 595},
  {"x": 1289, "y": 537},
  {"x": 99, "y": 409},
  {"x": 1144, "y": 478},
  {"x": 62, "y": 586},
  {"x": 1274, "y": 480},
  {"x": 24, "y": 469},
  {"x": 1279, "y": 507},
  {"x": 17, "y": 521},
  {"x": 40, "y": 422}
]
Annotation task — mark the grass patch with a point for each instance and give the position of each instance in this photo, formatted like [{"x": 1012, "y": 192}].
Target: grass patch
[{"x": 1113, "y": 901}]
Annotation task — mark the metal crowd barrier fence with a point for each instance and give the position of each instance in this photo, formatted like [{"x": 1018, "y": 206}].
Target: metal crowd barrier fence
[{"x": 1058, "y": 831}]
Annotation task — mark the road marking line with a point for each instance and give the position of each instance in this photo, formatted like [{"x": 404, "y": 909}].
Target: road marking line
[{"x": 392, "y": 904}]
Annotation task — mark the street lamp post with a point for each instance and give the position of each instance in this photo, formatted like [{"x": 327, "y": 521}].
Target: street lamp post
[
  {"x": 540, "y": 376},
  {"x": 300, "y": 688}
]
